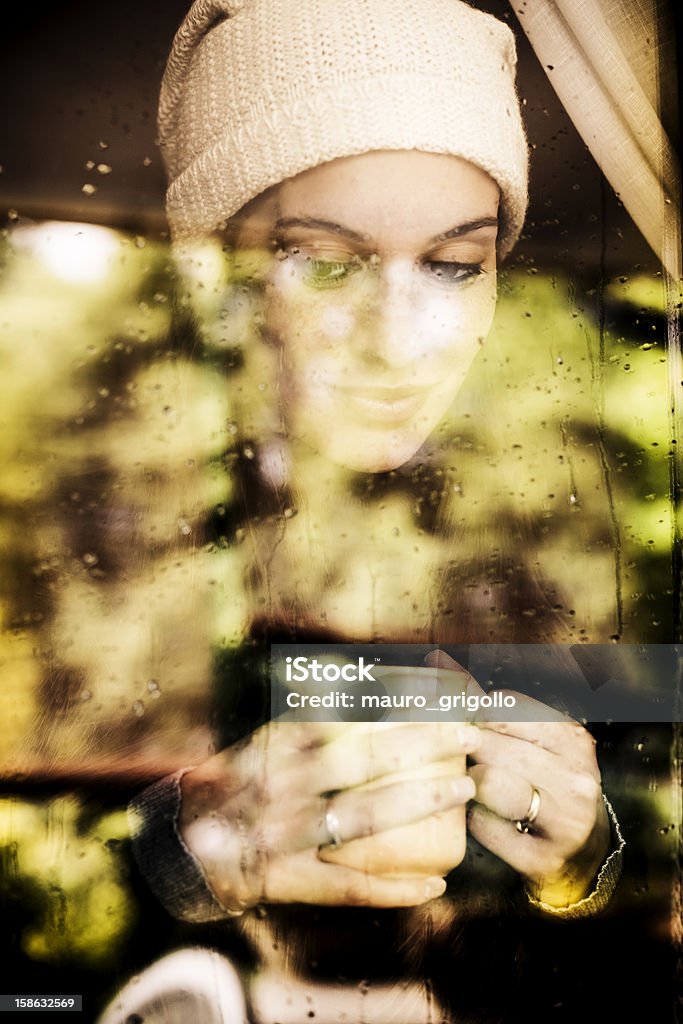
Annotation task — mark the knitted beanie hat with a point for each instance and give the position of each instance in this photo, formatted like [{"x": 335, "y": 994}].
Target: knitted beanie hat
[{"x": 257, "y": 91}]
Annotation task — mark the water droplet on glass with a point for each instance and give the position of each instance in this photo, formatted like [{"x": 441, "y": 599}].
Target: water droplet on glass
[
  {"x": 88, "y": 189},
  {"x": 103, "y": 169},
  {"x": 90, "y": 558},
  {"x": 138, "y": 708},
  {"x": 153, "y": 688}
]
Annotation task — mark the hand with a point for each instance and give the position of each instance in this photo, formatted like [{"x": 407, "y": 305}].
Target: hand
[
  {"x": 564, "y": 849},
  {"x": 254, "y": 815}
]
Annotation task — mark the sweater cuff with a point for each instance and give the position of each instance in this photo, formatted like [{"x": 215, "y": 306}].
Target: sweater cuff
[
  {"x": 605, "y": 884},
  {"x": 172, "y": 872}
]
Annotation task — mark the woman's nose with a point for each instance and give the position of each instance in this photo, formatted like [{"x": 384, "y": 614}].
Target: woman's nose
[{"x": 392, "y": 337}]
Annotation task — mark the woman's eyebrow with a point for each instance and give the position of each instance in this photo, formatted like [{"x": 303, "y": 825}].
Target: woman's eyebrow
[
  {"x": 466, "y": 228},
  {"x": 317, "y": 223},
  {"x": 321, "y": 225}
]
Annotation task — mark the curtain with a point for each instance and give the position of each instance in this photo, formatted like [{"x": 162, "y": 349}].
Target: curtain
[{"x": 602, "y": 58}]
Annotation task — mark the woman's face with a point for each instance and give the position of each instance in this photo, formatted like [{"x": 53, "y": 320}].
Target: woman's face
[{"x": 382, "y": 289}]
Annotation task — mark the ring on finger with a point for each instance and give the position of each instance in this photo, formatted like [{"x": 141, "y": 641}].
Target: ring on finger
[
  {"x": 523, "y": 825},
  {"x": 334, "y": 839}
]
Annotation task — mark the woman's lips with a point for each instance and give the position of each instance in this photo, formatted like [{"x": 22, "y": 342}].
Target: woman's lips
[{"x": 385, "y": 405}]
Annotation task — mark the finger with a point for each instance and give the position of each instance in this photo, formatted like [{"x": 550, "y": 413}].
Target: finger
[
  {"x": 532, "y": 755},
  {"x": 352, "y": 814},
  {"x": 305, "y": 879},
  {"x": 368, "y": 812},
  {"x": 386, "y": 749},
  {"x": 530, "y": 761},
  {"x": 509, "y": 795},
  {"x": 563, "y": 736},
  {"x": 527, "y": 853}
]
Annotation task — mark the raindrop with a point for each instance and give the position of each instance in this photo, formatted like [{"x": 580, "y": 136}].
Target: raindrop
[
  {"x": 103, "y": 169},
  {"x": 90, "y": 558},
  {"x": 138, "y": 708},
  {"x": 89, "y": 189},
  {"x": 184, "y": 527},
  {"x": 153, "y": 688},
  {"x": 573, "y": 499}
]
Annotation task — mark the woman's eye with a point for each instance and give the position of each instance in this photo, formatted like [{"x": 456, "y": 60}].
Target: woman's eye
[
  {"x": 450, "y": 272},
  {"x": 330, "y": 273}
]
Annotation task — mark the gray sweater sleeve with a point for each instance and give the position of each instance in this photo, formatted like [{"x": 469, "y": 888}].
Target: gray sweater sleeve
[{"x": 173, "y": 874}]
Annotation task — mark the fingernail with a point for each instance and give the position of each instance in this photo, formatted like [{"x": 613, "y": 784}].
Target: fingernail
[
  {"x": 463, "y": 787},
  {"x": 434, "y": 887}
]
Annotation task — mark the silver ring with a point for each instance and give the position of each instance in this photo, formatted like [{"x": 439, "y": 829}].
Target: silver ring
[
  {"x": 335, "y": 841},
  {"x": 524, "y": 824}
]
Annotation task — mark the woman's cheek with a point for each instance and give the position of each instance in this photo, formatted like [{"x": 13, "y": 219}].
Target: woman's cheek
[
  {"x": 336, "y": 323},
  {"x": 452, "y": 323}
]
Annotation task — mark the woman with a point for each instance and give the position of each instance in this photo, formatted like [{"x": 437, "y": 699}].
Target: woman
[{"x": 369, "y": 161}]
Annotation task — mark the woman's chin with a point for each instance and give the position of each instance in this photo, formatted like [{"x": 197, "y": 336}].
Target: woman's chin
[{"x": 368, "y": 455}]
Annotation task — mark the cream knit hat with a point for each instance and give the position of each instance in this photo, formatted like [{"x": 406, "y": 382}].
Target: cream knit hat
[{"x": 257, "y": 91}]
